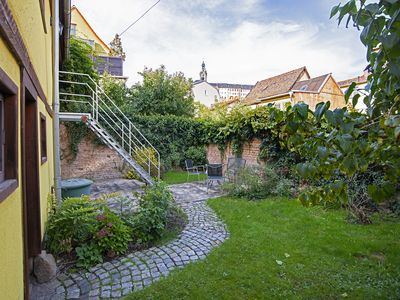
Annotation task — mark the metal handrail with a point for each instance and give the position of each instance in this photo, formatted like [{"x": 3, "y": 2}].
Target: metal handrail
[{"x": 102, "y": 107}]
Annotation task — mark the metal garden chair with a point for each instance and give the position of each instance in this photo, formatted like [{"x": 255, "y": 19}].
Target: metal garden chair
[
  {"x": 214, "y": 174},
  {"x": 191, "y": 169},
  {"x": 233, "y": 168}
]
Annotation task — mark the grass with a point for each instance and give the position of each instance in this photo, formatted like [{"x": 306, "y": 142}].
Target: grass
[
  {"x": 175, "y": 177},
  {"x": 322, "y": 256}
]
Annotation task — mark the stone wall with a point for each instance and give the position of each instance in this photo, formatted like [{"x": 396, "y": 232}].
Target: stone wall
[
  {"x": 93, "y": 161},
  {"x": 250, "y": 153}
]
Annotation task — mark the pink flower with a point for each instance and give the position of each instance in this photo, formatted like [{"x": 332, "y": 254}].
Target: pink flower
[
  {"x": 101, "y": 217},
  {"x": 109, "y": 224},
  {"x": 102, "y": 233}
]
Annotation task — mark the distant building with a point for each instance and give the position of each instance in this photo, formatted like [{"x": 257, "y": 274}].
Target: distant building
[
  {"x": 229, "y": 90},
  {"x": 296, "y": 86},
  {"x": 81, "y": 29},
  {"x": 210, "y": 93}
]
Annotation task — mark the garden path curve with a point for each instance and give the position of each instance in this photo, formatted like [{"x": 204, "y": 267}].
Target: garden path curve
[{"x": 136, "y": 270}]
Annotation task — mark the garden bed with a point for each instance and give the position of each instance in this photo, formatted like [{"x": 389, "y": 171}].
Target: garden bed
[{"x": 83, "y": 232}]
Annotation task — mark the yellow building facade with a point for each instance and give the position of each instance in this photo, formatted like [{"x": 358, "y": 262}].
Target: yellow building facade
[
  {"x": 81, "y": 29},
  {"x": 104, "y": 60},
  {"x": 26, "y": 118}
]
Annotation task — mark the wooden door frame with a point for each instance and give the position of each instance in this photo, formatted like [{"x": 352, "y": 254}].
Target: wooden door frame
[{"x": 32, "y": 240}]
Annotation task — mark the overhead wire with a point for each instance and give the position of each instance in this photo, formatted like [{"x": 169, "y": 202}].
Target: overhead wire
[{"x": 138, "y": 19}]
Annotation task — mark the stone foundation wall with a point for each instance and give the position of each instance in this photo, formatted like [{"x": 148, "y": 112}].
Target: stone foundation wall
[
  {"x": 96, "y": 162},
  {"x": 250, "y": 153}
]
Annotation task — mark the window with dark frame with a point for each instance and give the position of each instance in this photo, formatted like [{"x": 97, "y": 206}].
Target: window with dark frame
[
  {"x": 43, "y": 138},
  {"x": 8, "y": 136}
]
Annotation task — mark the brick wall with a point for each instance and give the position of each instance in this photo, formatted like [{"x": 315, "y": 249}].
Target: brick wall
[
  {"x": 250, "y": 153},
  {"x": 93, "y": 161}
]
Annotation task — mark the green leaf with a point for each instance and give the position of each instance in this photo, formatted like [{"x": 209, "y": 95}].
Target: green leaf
[
  {"x": 330, "y": 118},
  {"x": 354, "y": 101},
  {"x": 334, "y": 10},
  {"x": 349, "y": 91},
  {"x": 320, "y": 109},
  {"x": 373, "y": 8},
  {"x": 322, "y": 152},
  {"x": 365, "y": 34},
  {"x": 302, "y": 109}
]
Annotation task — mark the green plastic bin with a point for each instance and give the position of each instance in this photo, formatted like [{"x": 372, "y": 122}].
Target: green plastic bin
[{"x": 75, "y": 187}]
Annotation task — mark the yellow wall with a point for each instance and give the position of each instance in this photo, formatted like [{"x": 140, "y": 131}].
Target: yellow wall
[
  {"x": 330, "y": 92},
  {"x": 11, "y": 241},
  {"x": 39, "y": 45},
  {"x": 85, "y": 32}
]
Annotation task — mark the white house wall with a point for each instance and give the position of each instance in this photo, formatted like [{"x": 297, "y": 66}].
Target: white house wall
[{"x": 205, "y": 93}]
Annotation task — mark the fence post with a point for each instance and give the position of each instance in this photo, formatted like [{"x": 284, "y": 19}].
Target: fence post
[
  {"x": 123, "y": 135},
  {"x": 97, "y": 104},
  {"x": 149, "y": 165}
]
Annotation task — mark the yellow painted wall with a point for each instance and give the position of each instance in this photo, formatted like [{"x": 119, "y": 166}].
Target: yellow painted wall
[
  {"x": 85, "y": 32},
  {"x": 11, "y": 239},
  {"x": 27, "y": 15},
  {"x": 330, "y": 92},
  {"x": 39, "y": 45}
]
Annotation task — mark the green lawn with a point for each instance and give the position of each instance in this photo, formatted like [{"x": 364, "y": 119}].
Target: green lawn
[
  {"x": 175, "y": 177},
  {"x": 280, "y": 250}
]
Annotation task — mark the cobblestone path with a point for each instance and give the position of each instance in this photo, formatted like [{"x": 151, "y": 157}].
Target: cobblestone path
[{"x": 134, "y": 271}]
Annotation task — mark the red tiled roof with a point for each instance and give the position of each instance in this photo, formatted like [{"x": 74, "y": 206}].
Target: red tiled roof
[
  {"x": 312, "y": 85},
  {"x": 276, "y": 85},
  {"x": 358, "y": 80}
]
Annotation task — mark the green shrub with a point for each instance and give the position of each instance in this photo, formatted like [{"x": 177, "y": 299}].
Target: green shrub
[
  {"x": 141, "y": 154},
  {"x": 111, "y": 234},
  {"x": 88, "y": 227},
  {"x": 71, "y": 224},
  {"x": 131, "y": 174},
  {"x": 150, "y": 221},
  {"x": 255, "y": 183},
  {"x": 88, "y": 255},
  {"x": 198, "y": 154}
]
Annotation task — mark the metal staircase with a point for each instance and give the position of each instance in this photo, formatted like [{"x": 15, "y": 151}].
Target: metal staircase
[{"x": 83, "y": 100}]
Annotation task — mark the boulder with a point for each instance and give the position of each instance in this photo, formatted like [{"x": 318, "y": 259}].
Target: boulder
[{"x": 44, "y": 267}]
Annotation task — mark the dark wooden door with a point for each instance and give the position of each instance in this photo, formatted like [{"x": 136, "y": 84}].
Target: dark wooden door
[{"x": 30, "y": 170}]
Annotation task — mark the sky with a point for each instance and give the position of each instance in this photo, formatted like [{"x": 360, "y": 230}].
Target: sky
[{"x": 241, "y": 41}]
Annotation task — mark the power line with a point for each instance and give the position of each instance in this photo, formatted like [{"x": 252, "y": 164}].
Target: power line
[{"x": 137, "y": 20}]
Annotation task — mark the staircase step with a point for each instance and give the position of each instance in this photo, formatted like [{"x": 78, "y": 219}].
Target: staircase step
[{"x": 110, "y": 141}]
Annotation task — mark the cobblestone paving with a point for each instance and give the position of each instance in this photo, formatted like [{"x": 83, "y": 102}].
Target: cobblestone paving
[{"x": 137, "y": 270}]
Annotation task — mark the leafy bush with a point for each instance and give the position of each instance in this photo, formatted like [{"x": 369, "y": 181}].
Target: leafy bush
[
  {"x": 154, "y": 205},
  {"x": 256, "y": 183},
  {"x": 88, "y": 227},
  {"x": 131, "y": 174},
  {"x": 111, "y": 235},
  {"x": 71, "y": 224},
  {"x": 88, "y": 255},
  {"x": 140, "y": 155},
  {"x": 171, "y": 135},
  {"x": 161, "y": 93},
  {"x": 197, "y": 154}
]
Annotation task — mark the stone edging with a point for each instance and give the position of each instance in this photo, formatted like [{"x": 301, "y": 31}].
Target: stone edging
[{"x": 137, "y": 270}]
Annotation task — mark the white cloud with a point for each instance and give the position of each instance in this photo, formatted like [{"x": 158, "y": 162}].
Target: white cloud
[{"x": 235, "y": 47}]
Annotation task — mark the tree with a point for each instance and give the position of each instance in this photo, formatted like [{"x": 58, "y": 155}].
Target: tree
[
  {"x": 116, "y": 47},
  {"x": 115, "y": 89},
  {"x": 162, "y": 93},
  {"x": 80, "y": 59},
  {"x": 342, "y": 144}
]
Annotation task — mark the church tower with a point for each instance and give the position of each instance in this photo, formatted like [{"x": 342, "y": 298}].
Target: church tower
[{"x": 203, "y": 73}]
